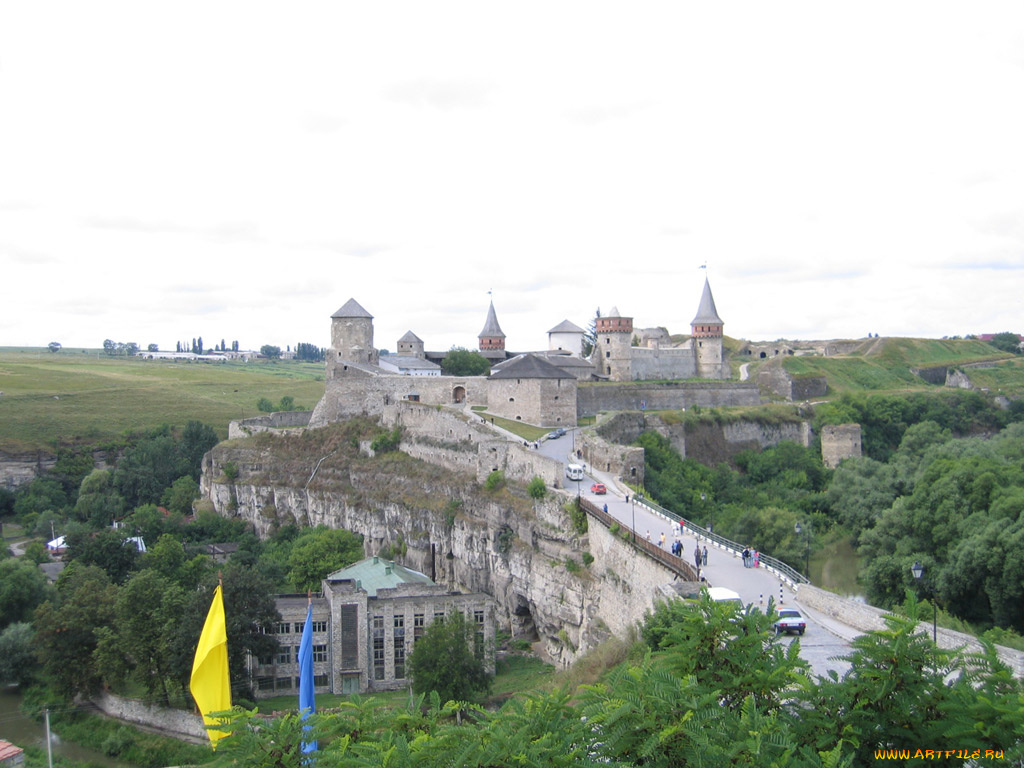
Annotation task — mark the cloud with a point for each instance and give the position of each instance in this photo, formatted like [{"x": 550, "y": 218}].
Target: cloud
[
  {"x": 26, "y": 256},
  {"x": 324, "y": 123},
  {"x": 595, "y": 114},
  {"x": 440, "y": 94},
  {"x": 352, "y": 248},
  {"x": 15, "y": 205},
  {"x": 131, "y": 224}
]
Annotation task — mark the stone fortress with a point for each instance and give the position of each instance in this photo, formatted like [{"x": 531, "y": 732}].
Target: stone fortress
[{"x": 538, "y": 387}]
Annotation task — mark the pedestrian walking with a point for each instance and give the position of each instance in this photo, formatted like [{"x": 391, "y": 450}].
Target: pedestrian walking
[
  {"x": 661, "y": 541},
  {"x": 757, "y": 559},
  {"x": 696, "y": 557},
  {"x": 746, "y": 557},
  {"x": 704, "y": 557},
  {"x": 648, "y": 534}
]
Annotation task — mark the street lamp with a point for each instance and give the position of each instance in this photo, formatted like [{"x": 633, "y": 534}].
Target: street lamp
[
  {"x": 918, "y": 570},
  {"x": 632, "y": 503},
  {"x": 807, "y": 548},
  {"x": 704, "y": 511}
]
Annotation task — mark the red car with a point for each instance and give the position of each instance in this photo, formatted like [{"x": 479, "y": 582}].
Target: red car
[{"x": 598, "y": 488}]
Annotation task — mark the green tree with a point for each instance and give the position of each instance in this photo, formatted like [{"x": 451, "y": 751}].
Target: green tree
[
  {"x": 106, "y": 549},
  {"x": 270, "y": 352},
  {"x": 320, "y": 551},
  {"x": 98, "y": 502},
  {"x": 462, "y": 362},
  {"x": 196, "y": 439},
  {"x": 264, "y": 405},
  {"x": 1006, "y": 342},
  {"x": 537, "y": 488},
  {"x": 66, "y": 628},
  {"x": 22, "y": 587},
  {"x": 17, "y": 655},
  {"x": 179, "y": 497},
  {"x": 443, "y": 661}
]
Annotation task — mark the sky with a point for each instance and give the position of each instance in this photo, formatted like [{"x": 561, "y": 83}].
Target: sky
[{"x": 239, "y": 170}]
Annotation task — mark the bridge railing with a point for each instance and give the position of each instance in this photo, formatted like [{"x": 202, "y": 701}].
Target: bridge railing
[
  {"x": 666, "y": 558},
  {"x": 772, "y": 563}
]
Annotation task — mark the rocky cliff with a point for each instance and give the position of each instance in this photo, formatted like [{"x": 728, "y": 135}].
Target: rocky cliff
[{"x": 525, "y": 554}]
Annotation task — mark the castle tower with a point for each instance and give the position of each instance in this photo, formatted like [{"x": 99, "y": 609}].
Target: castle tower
[
  {"x": 411, "y": 345},
  {"x": 611, "y": 354},
  {"x": 492, "y": 339},
  {"x": 707, "y": 337},
  {"x": 352, "y": 335}
]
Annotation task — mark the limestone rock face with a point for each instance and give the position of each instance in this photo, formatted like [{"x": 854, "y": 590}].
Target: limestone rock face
[{"x": 445, "y": 525}]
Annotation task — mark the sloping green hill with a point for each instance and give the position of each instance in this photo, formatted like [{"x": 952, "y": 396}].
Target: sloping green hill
[{"x": 887, "y": 365}]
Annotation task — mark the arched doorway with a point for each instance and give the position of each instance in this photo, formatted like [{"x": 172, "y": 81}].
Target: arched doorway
[{"x": 459, "y": 395}]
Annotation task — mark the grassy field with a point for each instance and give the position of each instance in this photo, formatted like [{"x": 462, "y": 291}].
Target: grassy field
[
  {"x": 76, "y": 397},
  {"x": 885, "y": 366}
]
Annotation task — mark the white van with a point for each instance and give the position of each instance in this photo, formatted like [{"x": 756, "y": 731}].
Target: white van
[
  {"x": 574, "y": 472},
  {"x": 723, "y": 595}
]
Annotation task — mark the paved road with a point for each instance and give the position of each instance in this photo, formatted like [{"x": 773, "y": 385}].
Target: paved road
[{"x": 825, "y": 638}]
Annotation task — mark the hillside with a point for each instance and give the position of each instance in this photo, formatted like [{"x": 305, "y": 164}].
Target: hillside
[
  {"x": 888, "y": 365},
  {"x": 72, "y": 398}
]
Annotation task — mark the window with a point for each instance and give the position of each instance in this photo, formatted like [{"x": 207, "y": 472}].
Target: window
[
  {"x": 319, "y": 626},
  {"x": 399, "y": 646},
  {"x": 478, "y": 617},
  {"x": 378, "y": 647},
  {"x": 283, "y": 684},
  {"x": 265, "y": 683},
  {"x": 284, "y": 655},
  {"x": 320, "y": 680},
  {"x": 439, "y": 616},
  {"x": 417, "y": 627},
  {"x": 283, "y": 628},
  {"x": 349, "y": 636},
  {"x": 266, "y": 661},
  {"x": 319, "y": 653},
  {"x": 607, "y": 354}
]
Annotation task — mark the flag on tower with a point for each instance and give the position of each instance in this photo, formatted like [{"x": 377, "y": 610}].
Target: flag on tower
[
  {"x": 209, "y": 682},
  {"x": 307, "y": 700}
]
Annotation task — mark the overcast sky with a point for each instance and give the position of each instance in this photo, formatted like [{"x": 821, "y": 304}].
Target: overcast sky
[{"x": 239, "y": 170}]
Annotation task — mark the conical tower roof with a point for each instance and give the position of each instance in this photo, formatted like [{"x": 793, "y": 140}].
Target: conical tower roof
[
  {"x": 706, "y": 312},
  {"x": 351, "y": 308},
  {"x": 491, "y": 328}
]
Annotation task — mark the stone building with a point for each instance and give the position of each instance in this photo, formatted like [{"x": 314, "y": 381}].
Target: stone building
[
  {"x": 839, "y": 442},
  {"x": 365, "y": 624},
  {"x": 530, "y": 389},
  {"x": 566, "y": 337},
  {"x": 701, "y": 356}
]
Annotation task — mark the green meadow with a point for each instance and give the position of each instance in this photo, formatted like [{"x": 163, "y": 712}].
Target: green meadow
[{"x": 76, "y": 397}]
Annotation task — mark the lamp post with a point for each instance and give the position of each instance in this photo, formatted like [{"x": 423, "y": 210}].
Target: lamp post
[
  {"x": 918, "y": 570},
  {"x": 807, "y": 548},
  {"x": 704, "y": 511},
  {"x": 632, "y": 503}
]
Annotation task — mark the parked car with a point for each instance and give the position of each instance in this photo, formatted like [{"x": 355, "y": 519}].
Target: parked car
[
  {"x": 555, "y": 433},
  {"x": 790, "y": 620},
  {"x": 598, "y": 488}
]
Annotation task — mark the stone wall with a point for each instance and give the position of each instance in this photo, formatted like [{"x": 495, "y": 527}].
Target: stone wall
[
  {"x": 711, "y": 443},
  {"x": 670, "y": 396},
  {"x": 272, "y": 421},
  {"x": 178, "y": 722},
  {"x": 357, "y": 393},
  {"x": 867, "y": 618},
  {"x": 839, "y": 442},
  {"x": 462, "y": 441},
  {"x": 625, "y": 461},
  {"x": 777, "y": 380},
  {"x": 543, "y": 402},
  {"x": 656, "y": 363}
]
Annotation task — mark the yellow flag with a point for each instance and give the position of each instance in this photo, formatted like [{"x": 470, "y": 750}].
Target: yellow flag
[{"x": 209, "y": 682}]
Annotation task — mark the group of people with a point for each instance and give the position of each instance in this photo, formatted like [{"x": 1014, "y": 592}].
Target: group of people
[
  {"x": 700, "y": 555},
  {"x": 751, "y": 558}
]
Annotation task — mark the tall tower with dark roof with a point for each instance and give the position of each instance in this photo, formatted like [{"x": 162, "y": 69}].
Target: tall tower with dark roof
[
  {"x": 492, "y": 339},
  {"x": 708, "y": 337}
]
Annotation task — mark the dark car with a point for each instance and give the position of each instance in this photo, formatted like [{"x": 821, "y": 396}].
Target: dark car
[
  {"x": 555, "y": 433},
  {"x": 598, "y": 488},
  {"x": 790, "y": 620}
]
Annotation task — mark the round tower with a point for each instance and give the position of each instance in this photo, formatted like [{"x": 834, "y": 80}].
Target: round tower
[
  {"x": 612, "y": 356},
  {"x": 708, "y": 337},
  {"x": 352, "y": 335}
]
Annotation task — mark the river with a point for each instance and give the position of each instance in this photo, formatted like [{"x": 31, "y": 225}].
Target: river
[{"x": 25, "y": 732}]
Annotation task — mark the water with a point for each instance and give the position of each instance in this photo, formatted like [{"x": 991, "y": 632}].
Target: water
[{"x": 24, "y": 732}]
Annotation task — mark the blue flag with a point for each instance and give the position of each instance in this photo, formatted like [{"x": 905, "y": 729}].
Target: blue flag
[{"x": 307, "y": 701}]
